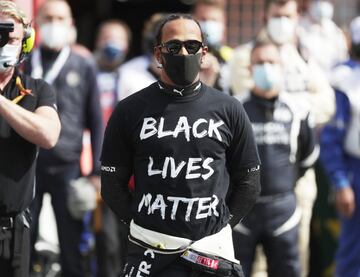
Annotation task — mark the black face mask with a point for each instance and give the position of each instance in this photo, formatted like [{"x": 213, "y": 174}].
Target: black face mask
[{"x": 182, "y": 69}]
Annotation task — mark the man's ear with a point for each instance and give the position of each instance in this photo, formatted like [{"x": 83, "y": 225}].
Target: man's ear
[
  {"x": 157, "y": 54},
  {"x": 204, "y": 51}
]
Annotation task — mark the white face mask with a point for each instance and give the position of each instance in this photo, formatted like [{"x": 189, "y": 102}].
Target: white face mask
[
  {"x": 213, "y": 31},
  {"x": 55, "y": 35},
  {"x": 281, "y": 29},
  {"x": 8, "y": 56},
  {"x": 321, "y": 10}
]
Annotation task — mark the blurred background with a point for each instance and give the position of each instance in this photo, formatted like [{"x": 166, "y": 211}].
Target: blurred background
[{"x": 244, "y": 18}]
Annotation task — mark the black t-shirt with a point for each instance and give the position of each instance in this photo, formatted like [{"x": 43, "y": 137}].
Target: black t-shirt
[
  {"x": 17, "y": 162},
  {"x": 182, "y": 150}
]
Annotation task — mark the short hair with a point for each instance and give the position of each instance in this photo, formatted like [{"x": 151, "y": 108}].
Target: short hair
[
  {"x": 172, "y": 17},
  {"x": 220, "y": 4},
  {"x": 116, "y": 22},
  {"x": 40, "y": 11},
  {"x": 276, "y": 2},
  {"x": 10, "y": 9},
  {"x": 148, "y": 36},
  {"x": 259, "y": 43}
]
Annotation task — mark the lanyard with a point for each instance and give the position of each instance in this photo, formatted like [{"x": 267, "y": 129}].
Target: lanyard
[{"x": 50, "y": 76}]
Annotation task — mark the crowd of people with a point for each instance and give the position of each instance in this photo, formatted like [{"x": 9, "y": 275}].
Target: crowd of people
[{"x": 205, "y": 159}]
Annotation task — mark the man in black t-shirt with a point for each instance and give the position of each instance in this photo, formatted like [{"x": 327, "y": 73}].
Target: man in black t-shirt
[
  {"x": 185, "y": 143},
  {"x": 28, "y": 119}
]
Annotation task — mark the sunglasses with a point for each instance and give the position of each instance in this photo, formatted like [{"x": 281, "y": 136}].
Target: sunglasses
[{"x": 174, "y": 46}]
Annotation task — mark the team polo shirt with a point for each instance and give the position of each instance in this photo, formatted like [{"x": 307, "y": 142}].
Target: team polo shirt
[
  {"x": 183, "y": 151},
  {"x": 17, "y": 155}
]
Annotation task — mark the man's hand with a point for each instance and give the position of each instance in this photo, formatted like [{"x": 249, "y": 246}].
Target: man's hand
[{"x": 345, "y": 201}]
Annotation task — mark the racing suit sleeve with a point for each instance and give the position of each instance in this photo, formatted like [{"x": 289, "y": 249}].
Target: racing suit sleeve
[
  {"x": 244, "y": 191},
  {"x": 331, "y": 142},
  {"x": 308, "y": 147}
]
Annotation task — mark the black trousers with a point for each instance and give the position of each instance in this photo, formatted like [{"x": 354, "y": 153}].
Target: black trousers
[
  {"x": 7, "y": 240},
  {"x": 111, "y": 244},
  {"x": 281, "y": 250},
  {"x": 55, "y": 181}
]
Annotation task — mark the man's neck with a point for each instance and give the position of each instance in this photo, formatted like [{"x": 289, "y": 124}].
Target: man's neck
[{"x": 5, "y": 78}]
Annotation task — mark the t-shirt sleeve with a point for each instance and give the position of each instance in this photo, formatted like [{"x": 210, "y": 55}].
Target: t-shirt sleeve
[
  {"x": 242, "y": 153},
  {"x": 117, "y": 149},
  {"x": 46, "y": 94}
]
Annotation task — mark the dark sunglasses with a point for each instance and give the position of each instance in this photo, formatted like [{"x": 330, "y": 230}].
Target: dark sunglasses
[{"x": 174, "y": 46}]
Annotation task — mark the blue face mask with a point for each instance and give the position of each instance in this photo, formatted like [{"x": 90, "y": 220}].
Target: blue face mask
[
  {"x": 112, "y": 52},
  {"x": 267, "y": 76}
]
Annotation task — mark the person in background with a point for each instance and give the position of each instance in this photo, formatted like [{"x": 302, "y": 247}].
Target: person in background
[
  {"x": 111, "y": 47},
  {"x": 74, "y": 79},
  {"x": 143, "y": 70},
  {"x": 340, "y": 156},
  {"x": 305, "y": 80},
  {"x": 184, "y": 142},
  {"x": 28, "y": 121},
  {"x": 287, "y": 146},
  {"x": 321, "y": 37},
  {"x": 211, "y": 15}
]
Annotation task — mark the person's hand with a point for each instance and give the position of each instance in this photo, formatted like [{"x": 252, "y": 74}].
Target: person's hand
[
  {"x": 210, "y": 68},
  {"x": 345, "y": 201},
  {"x": 95, "y": 181}
]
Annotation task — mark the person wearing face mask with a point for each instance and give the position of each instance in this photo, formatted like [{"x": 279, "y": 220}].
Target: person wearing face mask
[
  {"x": 340, "y": 156},
  {"x": 111, "y": 47},
  {"x": 143, "y": 70},
  {"x": 194, "y": 159},
  {"x": 304, "y": 79},
  {"x": 321, "y": 37},
  {"x": 212, "y": 18},
  {"x": 28, "y": 121},
  {"x": 74, "y": 78},
  {"x": 287, "y": 146}
]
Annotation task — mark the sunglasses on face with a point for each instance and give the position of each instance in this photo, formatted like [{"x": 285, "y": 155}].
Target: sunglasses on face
[{"x": 174, "y": 46}]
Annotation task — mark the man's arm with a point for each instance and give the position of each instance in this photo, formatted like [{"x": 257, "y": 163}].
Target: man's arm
[
  {"x": 244, "y": 191},
  {"x": 41, "y": 127},
  {"x": 244, "y": 168},
  {"x": 309, "y": 149},
  {"x": 116, "y": 165},
  {"x": 332, "y": 156},
  {"x": 115, "y": 191}
]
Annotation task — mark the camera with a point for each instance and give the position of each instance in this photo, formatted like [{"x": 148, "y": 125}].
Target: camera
[{"x": 5, "y": 29}]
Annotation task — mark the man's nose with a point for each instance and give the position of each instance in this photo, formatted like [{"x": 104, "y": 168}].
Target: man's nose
[{"x": 183, "y": 51}]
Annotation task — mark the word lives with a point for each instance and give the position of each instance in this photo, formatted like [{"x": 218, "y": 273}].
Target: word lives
[{"x": 193, "y": 166}]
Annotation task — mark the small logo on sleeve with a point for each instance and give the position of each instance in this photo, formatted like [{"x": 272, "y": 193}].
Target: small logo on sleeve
[{"x": 108, "y": 168}]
